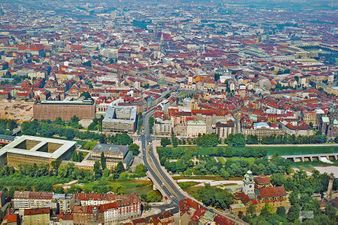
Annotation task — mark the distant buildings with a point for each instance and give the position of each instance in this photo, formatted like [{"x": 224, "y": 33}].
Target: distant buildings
[
  {"x": 50, "y": 110},
  {"x": 39, "y": 150},
  {"x": 120, "y": 119},
  {"x": 113, "y": 154}
]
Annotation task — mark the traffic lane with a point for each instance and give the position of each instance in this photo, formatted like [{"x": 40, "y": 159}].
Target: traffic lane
[
  {"x": 165, "y": 176},
  {"x": 160, "y": 182}
]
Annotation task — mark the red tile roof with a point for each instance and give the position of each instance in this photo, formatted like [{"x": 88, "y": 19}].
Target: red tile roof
[
  {"x": 31, "y": 212},
  {"x": 262, "y": 180},
  {"x": 271, "y": 192},
  {"x": 11, "y": 218}
]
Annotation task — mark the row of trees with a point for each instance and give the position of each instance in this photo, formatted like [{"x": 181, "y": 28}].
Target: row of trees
[
  {"x": 176, "y": 153},
  {"x": 239, "y": 140},
  {"x": 287, "y": 139},
  {"x": 59, "y": 129},
  {"x": 204, "y": 161}
]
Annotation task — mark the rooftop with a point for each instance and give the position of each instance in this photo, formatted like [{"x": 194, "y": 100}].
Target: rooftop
[{"x": 38, "y": 147}]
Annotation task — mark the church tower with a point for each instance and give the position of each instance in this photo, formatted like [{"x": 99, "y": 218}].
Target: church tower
[{"x": 249, "y": 185}]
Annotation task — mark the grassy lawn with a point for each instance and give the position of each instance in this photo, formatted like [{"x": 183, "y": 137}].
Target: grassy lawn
[
  {"x": 250, "y": 160},
  {"x": 295, "y": 150},
  {"x": 187, "y": 185},
  {"x": 221, "y": 160},
  {"x": 24, "y": 183},
  {"x": 193, "y": 191},
  {"x": 199, "y": 177}
]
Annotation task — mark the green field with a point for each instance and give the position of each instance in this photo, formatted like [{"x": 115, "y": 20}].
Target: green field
[
  {"x": 121, "y": 186},
  {"x": 296, "y": 150},
  {"x": 199, "y": 177}
]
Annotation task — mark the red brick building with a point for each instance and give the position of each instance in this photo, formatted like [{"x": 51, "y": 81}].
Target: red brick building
[{"x": 50, "y": 110}]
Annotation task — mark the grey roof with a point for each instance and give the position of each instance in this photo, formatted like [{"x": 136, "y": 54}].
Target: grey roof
[
  {"x": 125, "y": 114},
  {"x": 113, "y": 149}
]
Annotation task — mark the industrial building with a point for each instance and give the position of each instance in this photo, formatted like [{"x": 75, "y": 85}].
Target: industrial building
[{"x": 39, "y": 150}]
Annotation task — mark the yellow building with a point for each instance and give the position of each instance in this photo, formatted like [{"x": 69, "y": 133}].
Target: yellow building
[{"x": 40, "y": 216}]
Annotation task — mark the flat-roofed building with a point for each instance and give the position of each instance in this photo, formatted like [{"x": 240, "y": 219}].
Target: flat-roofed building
[
  {"x": 114, "y": 154},
  {"x": 31, "y": 149},
  {"x": 50, "y": 110},
  {"x": 120, "y": 119}
]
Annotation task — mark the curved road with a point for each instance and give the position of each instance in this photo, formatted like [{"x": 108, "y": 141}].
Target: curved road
[{"x": 159, "y": 176}]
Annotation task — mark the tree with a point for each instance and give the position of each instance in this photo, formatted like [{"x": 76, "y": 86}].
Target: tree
[
  {"x": 293, "y": 213},
  {"x": 151, "y": 124},
  {"x": 103, "y": 161},
  {"x": 165, "y": 141},
  {"x": 121, "y": 139},
  {"x": 97, "y": 170},
  {"x": 69, "y": 134},
  {"x": 267, "y": 210},
  {"x": 251, "y": 139},
  {"x": 152, "y": 196},
  {"x": 174, "y": 140},
  {"x": 331, "y": 212},
  {"x": 59, "y": 121},
  {"x": 207, "y": 140},
  {"x": 86, "y": 95},
  {"x": 118, "y": 170},
  {"x": 140, "y": 170},
  {"x": 74, "y": 122},
  {"x": 236, "y": 140},
  {"x": 134, "y": 148},
  {"x": 281, "y": 211}
]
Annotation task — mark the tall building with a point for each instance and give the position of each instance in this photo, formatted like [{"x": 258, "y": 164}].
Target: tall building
[{"x": 50, "y": 110}]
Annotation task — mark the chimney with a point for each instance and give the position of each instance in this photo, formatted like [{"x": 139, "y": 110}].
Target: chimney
[{"x": 329, "y": 187}]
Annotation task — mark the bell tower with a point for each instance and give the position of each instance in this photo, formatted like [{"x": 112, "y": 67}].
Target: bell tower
[{"x": 249, "y": 185}]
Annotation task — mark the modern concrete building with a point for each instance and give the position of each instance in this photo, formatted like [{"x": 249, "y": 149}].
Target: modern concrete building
[
  {"x": 31, "y": 149},
  {"x": 50, "y": 110},
  {"x": 120, "y": 119}
]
